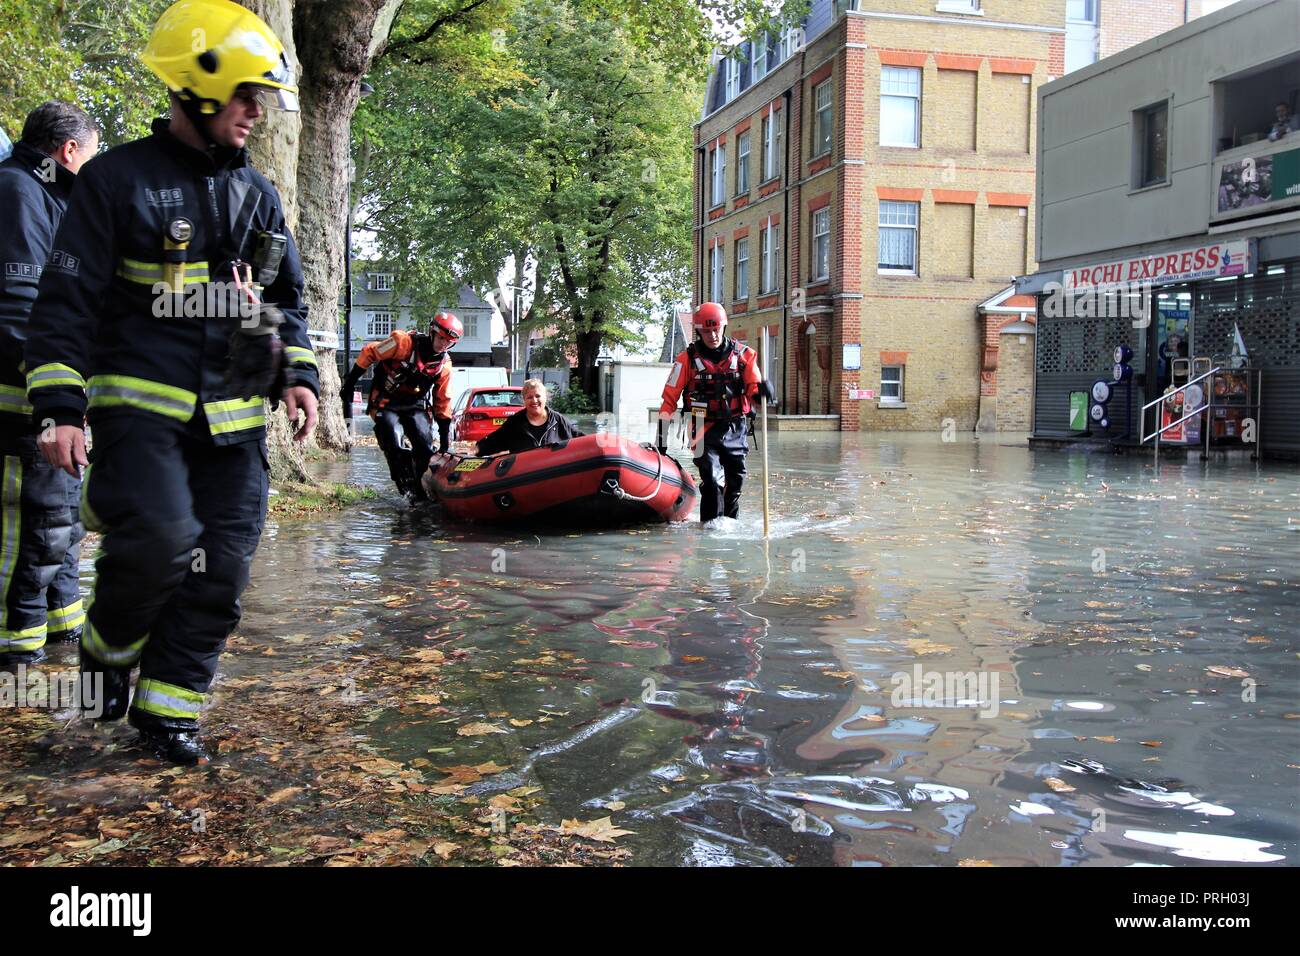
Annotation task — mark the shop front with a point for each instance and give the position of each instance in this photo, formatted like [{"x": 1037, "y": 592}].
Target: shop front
[{"x": 1173, "y": 315}]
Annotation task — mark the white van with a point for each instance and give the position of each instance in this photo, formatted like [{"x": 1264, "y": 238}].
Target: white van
[{"x": 465, "y": 377}]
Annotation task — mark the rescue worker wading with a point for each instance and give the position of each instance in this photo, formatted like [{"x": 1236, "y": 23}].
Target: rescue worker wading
[
  {"x": 410, "y": 369},
  {"x": 150, "y": 313},
  {"x": 721, "y": 381},
  {"x": 39, "y": 530}
]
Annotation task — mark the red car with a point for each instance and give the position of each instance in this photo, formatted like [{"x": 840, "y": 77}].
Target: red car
[{"x": 480, "y": 411}]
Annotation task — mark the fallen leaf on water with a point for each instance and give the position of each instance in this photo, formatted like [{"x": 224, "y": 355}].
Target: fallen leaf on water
[
  {"x": 921, "y": 645},
  {"x": 842, "y": 675},
  {"x": 1220, "y": 670},
  {"x": 1058, "y": 785},
  {"x": 1107, "y": 740},
  {"x": 519, "y": 723},
  {"x": 602, "y": 830},
  {"x": 445, "y": 850},
  {"x": 1144, "y": 667},
  {"x": 615, "y": 805},
  {"x": 970, "y": 862},
  {"x": 282, "y": 795},
  {"x": 479, "y": 729},
  {"x": 1152, "y": 743}
]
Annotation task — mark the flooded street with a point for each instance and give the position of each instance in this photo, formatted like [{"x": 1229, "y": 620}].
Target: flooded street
[{"x": 955, "y": 653}]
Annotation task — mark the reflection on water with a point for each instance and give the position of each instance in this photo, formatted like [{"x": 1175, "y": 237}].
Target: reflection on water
[{"x": 947, "y": 652}]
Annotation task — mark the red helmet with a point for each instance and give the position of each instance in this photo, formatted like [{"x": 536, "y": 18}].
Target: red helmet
[
  {"x": 448, "y": 325},
  {"x": 710, "y": 315}
]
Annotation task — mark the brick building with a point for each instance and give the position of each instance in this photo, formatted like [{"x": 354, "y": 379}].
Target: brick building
[{"x": 865, "y": 183}]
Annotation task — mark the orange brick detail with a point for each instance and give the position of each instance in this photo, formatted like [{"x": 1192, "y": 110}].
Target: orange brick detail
[
  {"x": 740, "y": 202},
  {"x": 965, "y": 197},
  {"x": 740, "y": 233},
  {"x": 901, "y": 58},
  {"x": 902, "y": 195},
  {"x": 817, "y": 203},
  {"x": 718, "y": 213},
  {"x": 739, "y": 307},
  {"x": 893, "y": 358},
  {"x": 770, "y": 188},
  {"x": 1009, "y": 199},
  {"x": 957, "y": 61},
  {"x": 822, "y": 74},
  {"x": 816, "y": 166},
  {"x": 744, "y": 125},
  {"x": 767, "y": 301},
  {"x": 1001, "y": 64}
]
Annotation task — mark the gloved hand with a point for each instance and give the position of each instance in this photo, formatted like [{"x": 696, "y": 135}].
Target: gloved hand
[
  {"x": 256, "y": 355},
  {"x": 765, "y": 391},
  {"x": 444, "y": 433},
  {"x": 346, "y": 388}
]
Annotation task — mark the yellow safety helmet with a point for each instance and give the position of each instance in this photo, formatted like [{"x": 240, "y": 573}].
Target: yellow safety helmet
[{"x": 205, "y": 49}]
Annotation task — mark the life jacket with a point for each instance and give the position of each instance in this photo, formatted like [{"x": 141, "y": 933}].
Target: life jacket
[
  {"x": 717, "y": 388},
  {"x": 405, "y": 383}
]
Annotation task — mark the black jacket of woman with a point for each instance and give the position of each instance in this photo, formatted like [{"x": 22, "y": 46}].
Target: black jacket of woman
[{"x": 519, "y": 434}]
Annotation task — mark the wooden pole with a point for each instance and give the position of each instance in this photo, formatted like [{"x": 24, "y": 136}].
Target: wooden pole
[{"x": 762, "y": 364}]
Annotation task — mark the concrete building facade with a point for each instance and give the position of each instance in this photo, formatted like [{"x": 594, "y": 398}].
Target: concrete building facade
[{"x": 1165, "y": 168}]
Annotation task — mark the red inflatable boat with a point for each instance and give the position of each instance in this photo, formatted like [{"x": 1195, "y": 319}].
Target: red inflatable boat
[{"x": 592, "y": 480}]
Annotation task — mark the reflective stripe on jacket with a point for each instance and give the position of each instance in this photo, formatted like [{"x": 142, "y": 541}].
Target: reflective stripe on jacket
[{"x": 130, "y": 319}]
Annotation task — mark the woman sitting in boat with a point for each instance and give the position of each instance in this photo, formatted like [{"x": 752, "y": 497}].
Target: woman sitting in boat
[{"x": 535, "y": 427}]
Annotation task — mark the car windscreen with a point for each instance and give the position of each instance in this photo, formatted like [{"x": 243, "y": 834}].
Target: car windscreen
[{"x": 497, "y": 399}]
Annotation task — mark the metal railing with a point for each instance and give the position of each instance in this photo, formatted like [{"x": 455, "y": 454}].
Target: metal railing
[{"x": 1192, "y": 414}]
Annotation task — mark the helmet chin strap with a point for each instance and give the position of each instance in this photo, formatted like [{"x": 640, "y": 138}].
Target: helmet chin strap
[{"x": 202, "y": 123}]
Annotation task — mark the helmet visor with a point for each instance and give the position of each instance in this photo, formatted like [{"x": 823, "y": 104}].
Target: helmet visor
[{"x": 273, "y": 98}]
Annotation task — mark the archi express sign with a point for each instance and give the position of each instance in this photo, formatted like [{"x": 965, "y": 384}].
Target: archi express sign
[{"x": 1211, "y": 260}]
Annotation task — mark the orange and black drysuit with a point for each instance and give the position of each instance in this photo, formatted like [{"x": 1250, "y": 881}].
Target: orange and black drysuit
[
  {"x": 132, "y": 329},
  {"x": 719, "y": 386},
  {"x": 39, "y": 531},
  {"x": 411, "y": 383}
]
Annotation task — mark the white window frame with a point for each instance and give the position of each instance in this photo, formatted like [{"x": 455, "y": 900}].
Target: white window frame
[
  {"x": 379, "y": 323},
  {"x": 959, "y": 6},
  {"x": 741, "y": 291},
  {"x": 791, "y": 41},
  {"x": 758, "y": 59},
  {"x": 900, "y": 398},
  {"x": 380, "y": 282},
  {"x": 823, "y": 118},
  {"x": 742, "y": 164},
  {"x": 821, "y": 244},
  {"x": 716, "y": 274},
  {"x": 771, "y": 137},
  {"x": 769, "y": 280},
  {"x": 915, "y": 227},
  {"x": 731, "y": 77},
  {"x": 718, "y": 191},
  {"x": 885, "y": 73},
  {"x": 471, "y": 326},
  {"x": 1089, "y": 5}
]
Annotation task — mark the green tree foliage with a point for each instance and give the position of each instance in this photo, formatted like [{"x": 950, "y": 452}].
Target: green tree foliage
[
  {"x": 84, "y": 52},
  {"x": 574, "y": 150}
]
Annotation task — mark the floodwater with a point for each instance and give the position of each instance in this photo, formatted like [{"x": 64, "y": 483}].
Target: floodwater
[{"x": 946, "y": 653}]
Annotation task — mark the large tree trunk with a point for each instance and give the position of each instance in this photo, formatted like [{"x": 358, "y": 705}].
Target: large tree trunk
[
  {"x": 334, "y": 43},
  {"x": 274, "y": 151},
  {"x": 588, "y": 351}
]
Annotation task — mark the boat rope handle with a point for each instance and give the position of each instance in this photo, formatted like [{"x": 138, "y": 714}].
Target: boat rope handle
[{"x": 617, "y": 490}]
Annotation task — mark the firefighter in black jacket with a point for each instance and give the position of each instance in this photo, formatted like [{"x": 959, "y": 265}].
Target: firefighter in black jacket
[
  {"x": 157, "y": 312},
  {"x": 39, "y": 531}
]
